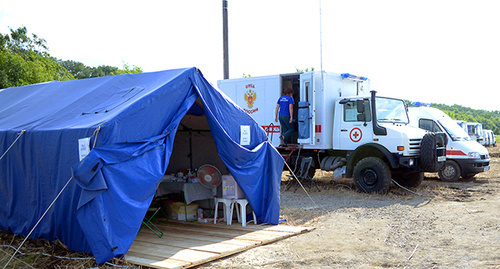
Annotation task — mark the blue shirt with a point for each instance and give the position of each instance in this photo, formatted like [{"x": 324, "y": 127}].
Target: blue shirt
[{"x": 284, "y": 103}]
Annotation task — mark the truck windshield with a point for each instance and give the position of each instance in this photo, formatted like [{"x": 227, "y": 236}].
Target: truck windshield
[
  {"x": 391, "y": 110},
  {"x": 454, "y": 130}
]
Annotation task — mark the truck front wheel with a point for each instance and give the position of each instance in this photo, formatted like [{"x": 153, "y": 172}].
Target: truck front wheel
[
  {"x": 372, "y": 175},
  {"x": 451, "y": 172}
]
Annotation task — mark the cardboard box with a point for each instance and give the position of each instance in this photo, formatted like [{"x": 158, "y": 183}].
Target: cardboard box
[
  {"x": 179, "y": 211},
  {"x": 230, "y": 189}
]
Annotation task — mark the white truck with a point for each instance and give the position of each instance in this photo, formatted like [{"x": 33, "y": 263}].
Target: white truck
[
  {"x": 489, "y": 138},
  {"x": 464, "y": 157},
  {"x": 475, "y": 131},
  {"x": 463, "y": 125},
  {"x": 344, "y": 127}
]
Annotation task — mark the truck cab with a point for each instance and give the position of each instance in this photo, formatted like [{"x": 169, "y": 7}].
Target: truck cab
[{"x": 464, "y": 157}]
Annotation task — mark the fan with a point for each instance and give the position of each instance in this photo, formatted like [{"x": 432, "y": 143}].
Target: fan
[{"x": 210, "y": 177}]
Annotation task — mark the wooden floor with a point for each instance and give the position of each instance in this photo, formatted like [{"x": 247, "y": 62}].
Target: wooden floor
[{"x": 187, "y": 244}]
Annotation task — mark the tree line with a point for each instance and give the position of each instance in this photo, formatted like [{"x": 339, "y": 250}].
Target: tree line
[
  {"x": 489, "y": 119},
  {"x": 25, "y": 59}
]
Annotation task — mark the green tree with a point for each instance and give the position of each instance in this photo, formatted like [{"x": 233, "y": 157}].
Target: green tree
[
  {"x": 77, "y": 69},
  {"x": 489, "y": 119},
  {"x": 81, "y": 71},
  {"x": 25, "y": 60},
  {"x": 304, "y": 71},
  {"x": 128, "y": 70}
]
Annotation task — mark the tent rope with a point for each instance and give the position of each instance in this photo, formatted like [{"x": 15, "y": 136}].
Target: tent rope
[
  {"x": 96, "y": 132},
  {"x": 18, "y": 136},
  {"x": 38, "y": 222},
  {"x": 294, "y": 176}
]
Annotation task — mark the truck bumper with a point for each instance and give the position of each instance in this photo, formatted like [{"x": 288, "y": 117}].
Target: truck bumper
[
  {"x": 473, "y": 166},
  {"x": 413, "y": 163}
]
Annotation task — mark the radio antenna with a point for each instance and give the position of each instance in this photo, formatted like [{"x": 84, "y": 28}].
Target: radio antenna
[
  {"x": 320, "y": 38},
  {"x": 321, "y": 46}
]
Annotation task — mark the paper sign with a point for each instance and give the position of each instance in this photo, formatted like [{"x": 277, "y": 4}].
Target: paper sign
[
  {"x": 83, "y": 147},
  {"x": 245, "y": 135}
]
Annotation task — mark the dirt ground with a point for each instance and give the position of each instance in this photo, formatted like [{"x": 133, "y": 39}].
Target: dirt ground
[
  {"x": 444, "y": 225},
  {"x": 441, "y": 225}
]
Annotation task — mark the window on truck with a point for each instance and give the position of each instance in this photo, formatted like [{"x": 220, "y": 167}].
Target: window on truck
[
  {"x": 429, "y": 125},
  {"x": 454, "y": 130},
  {"x": 391, "y": 110},
  {"x": 351, "y": 111},
  {"x": 307, "y": 91}
]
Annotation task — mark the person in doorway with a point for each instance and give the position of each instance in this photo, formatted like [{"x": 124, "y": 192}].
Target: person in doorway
[{"x": 284, "y": 111}]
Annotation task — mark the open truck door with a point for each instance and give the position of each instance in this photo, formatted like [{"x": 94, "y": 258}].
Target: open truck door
[{"x": 306, "y": 113}]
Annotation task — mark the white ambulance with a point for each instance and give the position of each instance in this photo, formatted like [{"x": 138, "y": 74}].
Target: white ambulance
[
  {"x": 344, "y": 127},
  {"x": 489, "y": 138},
  {"x": 464, "y": 157}
]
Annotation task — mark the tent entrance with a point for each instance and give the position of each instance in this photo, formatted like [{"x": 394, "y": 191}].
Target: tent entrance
[{"x": 194, "y": 146}]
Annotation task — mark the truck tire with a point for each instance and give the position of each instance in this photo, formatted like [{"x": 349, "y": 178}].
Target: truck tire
[
  {"x": 409, "y": 180},
  {"x": 372, "y": 175},
  {"x": 451, "y": 171},
  {"x": 428, "y": 158}
]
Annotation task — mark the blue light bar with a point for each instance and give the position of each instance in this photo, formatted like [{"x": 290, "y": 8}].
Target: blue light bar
[
  {"x": 421, "y": 104},
  {"x": 349, "y": 76}
]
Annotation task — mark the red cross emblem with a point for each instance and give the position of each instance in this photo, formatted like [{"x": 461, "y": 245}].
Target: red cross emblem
[{"x": 355, "y": 135}]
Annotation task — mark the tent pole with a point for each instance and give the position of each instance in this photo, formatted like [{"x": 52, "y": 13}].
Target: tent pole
[{"x": 191, "y": 149}]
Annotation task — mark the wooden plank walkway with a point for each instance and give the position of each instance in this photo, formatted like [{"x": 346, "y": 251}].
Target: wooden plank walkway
[{"x": 187, "y": 244}]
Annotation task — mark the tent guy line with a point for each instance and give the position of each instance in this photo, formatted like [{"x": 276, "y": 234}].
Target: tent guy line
[
  {"x": 294, "y": 176},
  {"x": 19, "y": 136},
  {"x": 38, "y": 222}
]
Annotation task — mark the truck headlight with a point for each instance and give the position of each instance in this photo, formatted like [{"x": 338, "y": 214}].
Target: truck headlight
[{"x": 474, "y": 155}]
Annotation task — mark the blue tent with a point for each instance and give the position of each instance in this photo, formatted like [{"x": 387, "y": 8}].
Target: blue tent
[{"x": 130, "y": 124}]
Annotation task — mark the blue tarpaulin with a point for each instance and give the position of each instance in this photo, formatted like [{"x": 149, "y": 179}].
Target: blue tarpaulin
[{"x": 130, "y": 123}]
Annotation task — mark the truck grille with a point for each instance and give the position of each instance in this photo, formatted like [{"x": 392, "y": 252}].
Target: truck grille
[{"x": 415, "y": 146}]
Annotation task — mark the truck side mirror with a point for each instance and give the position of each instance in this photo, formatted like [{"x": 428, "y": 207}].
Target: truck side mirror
[{"x": 360, "y": 105}]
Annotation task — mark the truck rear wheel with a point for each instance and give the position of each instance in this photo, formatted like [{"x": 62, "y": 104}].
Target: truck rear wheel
[
  {"x": 372, "y": 175},
  {"x": 451, "y": 172}
]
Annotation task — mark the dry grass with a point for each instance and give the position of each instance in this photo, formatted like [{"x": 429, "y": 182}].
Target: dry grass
[{"x": 41, "y": 253}]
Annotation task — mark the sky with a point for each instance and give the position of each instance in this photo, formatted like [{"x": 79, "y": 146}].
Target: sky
[{"x": 439, "y": 51}]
